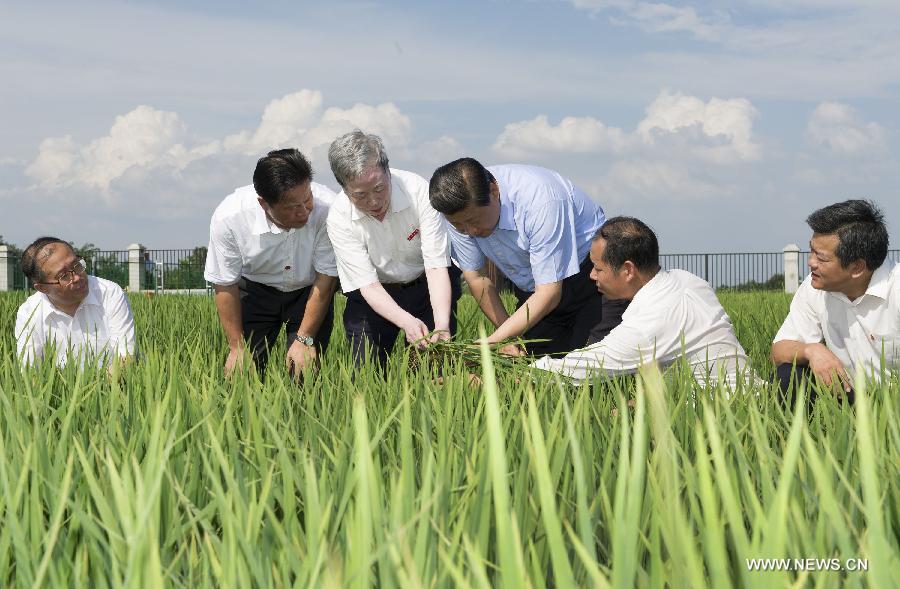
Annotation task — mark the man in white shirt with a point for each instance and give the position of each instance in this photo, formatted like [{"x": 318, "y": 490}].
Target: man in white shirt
[
  {"x": 271, "y": 263},
  {"x": 392, "y": 251},
  {"x": 672, "y": 314},
  {"x": 846, "y": 314},
  {"x": 83, "y": 317}
]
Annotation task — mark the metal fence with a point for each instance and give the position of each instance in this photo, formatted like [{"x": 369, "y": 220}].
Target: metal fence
[
  {"x": 182, "y": 269},
  {"x": 742, "y": 271}
]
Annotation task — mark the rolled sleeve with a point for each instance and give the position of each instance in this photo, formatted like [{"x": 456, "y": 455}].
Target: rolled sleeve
[
  {"x": 802, "y": 323},
  {"x": 223, "y": 257},
  {"x": 464, "y": 250},
  {"x": 354, "y": 268},
  {"x": 551, "y": 237}
]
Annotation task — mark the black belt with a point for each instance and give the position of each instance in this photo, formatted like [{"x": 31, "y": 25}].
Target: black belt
[{"x": 404, "y": 285}]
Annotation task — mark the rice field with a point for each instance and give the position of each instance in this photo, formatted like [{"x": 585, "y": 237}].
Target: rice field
[{"x": 167, "y": 474}]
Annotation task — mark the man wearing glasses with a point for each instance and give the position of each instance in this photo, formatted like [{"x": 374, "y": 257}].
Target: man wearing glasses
[{"x": 81, "y": 316}]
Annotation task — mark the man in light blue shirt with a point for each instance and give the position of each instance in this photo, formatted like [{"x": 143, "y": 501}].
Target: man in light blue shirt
[{"x": 536, "y": 227}]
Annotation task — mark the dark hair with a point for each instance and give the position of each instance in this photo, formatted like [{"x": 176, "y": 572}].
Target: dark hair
[
  {"x": 30, "y": 266},
  {"x": 627, "y": 239},
  {"x": 453, "y": 186},
  {"x": 860, "y": 229},
  {"x": 280, "y": 171}
]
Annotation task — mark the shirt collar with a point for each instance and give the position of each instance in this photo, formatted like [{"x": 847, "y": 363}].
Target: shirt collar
[
  {"x": 507, "y": 213},
  {"x": 399, "y": 201},
  {"x": 879, "y": 284},
  {"x": 262, "y": 224},
  {"x": 92, "y": 299}
]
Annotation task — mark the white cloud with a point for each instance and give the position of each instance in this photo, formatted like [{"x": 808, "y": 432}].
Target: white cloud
[
  {"x": 675, "y": 127},
  {"x": 146, "y": 139},
  {"x": 573, "y": 134},
  {"x": 722, "y": 130},
  {"x": 839, "y": 128}
]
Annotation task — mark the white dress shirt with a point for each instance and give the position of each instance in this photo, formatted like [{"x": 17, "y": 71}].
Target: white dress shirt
[
  {"x": 857, "y": 332},
  {"x": 674, "y": 315},
  {"x": 244, "y": 243},
  {"x": 102, "y": 326},
  {"x": 411, "y": 238}
]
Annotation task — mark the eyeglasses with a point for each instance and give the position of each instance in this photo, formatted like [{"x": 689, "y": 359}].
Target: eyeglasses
[{"x": 66, "y": 277}]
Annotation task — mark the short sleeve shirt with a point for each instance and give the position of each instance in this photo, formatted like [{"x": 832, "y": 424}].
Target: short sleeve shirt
[
  {"x": 101, "y": 328},
  {"x": 861, "y": 332},
  {"x": 244, "y": 243},
  {"x": 411, "y": 237},
  {"x": 545, "y": 229}
]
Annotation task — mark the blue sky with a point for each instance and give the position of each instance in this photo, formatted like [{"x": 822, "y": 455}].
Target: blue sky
[{"x": 721, "y": 124}]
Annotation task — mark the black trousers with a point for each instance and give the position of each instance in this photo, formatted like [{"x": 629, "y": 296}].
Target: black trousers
[
  {"x": 369, "y": 332},
  {"x": 265, "y": 309},
  {"x": 789, "y": 378},
  {"x": 582, "y": 317}
]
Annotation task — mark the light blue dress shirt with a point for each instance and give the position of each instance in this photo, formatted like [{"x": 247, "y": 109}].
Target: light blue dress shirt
[{"x": 545, "y": 228}]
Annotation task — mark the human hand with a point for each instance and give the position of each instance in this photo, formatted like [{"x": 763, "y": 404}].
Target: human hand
[
  {"x": 826, "y": 366},
  {"x": 416, "y": 332},
  {"x": 440, "y": 334},
  {"x": 235, "y": 360},
  {"x": 512, "y": 350},
  {"x": 300, "y": 358}
]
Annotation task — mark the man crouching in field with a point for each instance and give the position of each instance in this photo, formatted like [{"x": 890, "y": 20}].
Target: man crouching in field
[
  {"x": 846, "y": 314},
  {"x": 672, "y": 314},
  {"x": 81, "y": 316},
  {"x": 270, "y": 262}
]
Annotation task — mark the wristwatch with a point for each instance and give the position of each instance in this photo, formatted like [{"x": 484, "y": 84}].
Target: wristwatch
[{"x": 305, "y": 339}]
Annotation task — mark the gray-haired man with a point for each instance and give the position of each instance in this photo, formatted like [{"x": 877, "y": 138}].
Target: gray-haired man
[{"x": 392, "y": 250}]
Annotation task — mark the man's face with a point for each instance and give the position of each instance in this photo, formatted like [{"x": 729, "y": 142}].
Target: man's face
[
  {"x": 55, "y": 261},
  {"x": 824, "y": 266},
  {"x": 370, "y": 192},
  {"x": 613, "y": 284},
  {"x": 294, "y": 208},
  {"x": 478, "y": 221}
]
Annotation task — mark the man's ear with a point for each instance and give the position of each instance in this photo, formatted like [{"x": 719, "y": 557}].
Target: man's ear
[
  {"x": 263, "y": 203},
  {"x": 41, "y": 288},
  {"x": 629, "y": 269},
  {"x": 857, "y": 268}
]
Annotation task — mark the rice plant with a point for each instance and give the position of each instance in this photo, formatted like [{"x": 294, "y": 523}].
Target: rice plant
[{"x": 168, "y": 474}]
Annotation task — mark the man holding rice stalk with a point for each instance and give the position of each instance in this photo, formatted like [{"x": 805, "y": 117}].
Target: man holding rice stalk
[
  {"x": 536, "y": 227},
  {"x": 673, "y": 314},
  {"x": 271, "y": 263},
  {"x": 82, "y": 316},
  {"x": 392, "y": 251},
  {"x": 845, "y": 316}
]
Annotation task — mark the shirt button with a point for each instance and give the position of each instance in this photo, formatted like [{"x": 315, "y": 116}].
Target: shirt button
[{"x": 287, "y": 267}]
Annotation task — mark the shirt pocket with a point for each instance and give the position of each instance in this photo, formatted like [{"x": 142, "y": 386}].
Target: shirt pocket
[{"x": 409, "y": 245}]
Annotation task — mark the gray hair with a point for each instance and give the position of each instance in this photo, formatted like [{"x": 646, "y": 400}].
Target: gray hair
[{"x": 350, "y": 154}]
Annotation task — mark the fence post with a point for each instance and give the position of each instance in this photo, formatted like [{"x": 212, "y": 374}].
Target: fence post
[
  {"x": 136, "y": 267},
  {"x": 791, "y": 254},
  {"x": 7, "y": 269}
]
